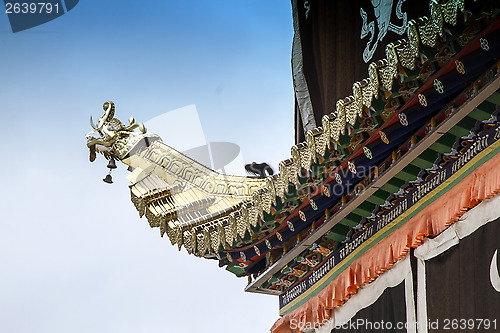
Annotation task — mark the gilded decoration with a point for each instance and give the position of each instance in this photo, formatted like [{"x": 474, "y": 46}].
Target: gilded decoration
[{"x": 207, "y": 212}]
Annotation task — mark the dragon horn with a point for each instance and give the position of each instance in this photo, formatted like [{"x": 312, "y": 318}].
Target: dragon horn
[{"x": 94, "y": 126}]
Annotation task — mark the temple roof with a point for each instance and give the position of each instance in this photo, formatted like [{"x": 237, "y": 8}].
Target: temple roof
[
  {"x": 369, "y": 130},
  {"x": 418, "y": 109}
]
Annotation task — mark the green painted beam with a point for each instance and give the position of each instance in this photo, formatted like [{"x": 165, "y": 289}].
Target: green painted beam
[
  {"x": 338, "y": 232},
  {"x": 365, "y": 209},
  {"x": 463, "y": 127},
  {"x": 426, "y": 159},
  {"x": 444, "y": 144},
  {"x": 409, "y": 173},
  {"x": 351, "y": 220},
  {"x": 336, "y": 237},
  {"x": 379, "y": 197},
  {"x": 393, "y": 185},
  {"x": 483, "y": 111},
  {"x": 494, "y": 98}
]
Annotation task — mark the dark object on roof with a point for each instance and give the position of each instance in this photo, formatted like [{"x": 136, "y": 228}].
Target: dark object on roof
[{"x": 259, "y": 170}]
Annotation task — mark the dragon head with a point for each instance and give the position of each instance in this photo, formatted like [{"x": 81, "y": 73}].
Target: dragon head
[{"x": 110, "y": 137}]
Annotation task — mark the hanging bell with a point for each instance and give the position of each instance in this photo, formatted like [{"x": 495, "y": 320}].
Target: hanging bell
[
  {"x": 111, "y": 163},
  {"x": 108, "y": 179}
]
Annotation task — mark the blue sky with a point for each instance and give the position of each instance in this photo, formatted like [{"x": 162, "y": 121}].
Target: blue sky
[{"x": 75, "y": 256}]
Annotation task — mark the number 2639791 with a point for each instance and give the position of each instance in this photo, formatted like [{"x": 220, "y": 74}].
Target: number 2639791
[{"x": 31, "y": 8}]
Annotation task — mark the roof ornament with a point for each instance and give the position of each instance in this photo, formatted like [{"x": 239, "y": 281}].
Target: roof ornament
[
  {"x": 109, "y": 130},
  {"x": 111, "y": 137},
  {"x": 259, "y": 170}
]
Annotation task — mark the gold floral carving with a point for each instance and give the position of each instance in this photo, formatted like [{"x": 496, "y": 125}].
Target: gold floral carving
[
  {"x": 431, "y": 28},
  {"x": 450, "y": 10},
  {"x": 203, "y": 210},
  {"x": 325, "y": 121},
  {"x": 354, "y": 104},
  {"x": 388, "y": 67},
  {"x": 408, "y": 49}
]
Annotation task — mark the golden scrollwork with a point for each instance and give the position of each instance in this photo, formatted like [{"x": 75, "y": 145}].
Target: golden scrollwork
[
  {"x": 408, "y": 49},
  {"x": 450, "y": 10},
  {"x": 204, "y": 211},
  {"x": 354, "y": 104},
  {"x": 432, "y": 27},
  {"x": 325, "y": 121},
  {"x": 388, "y": 68}
]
